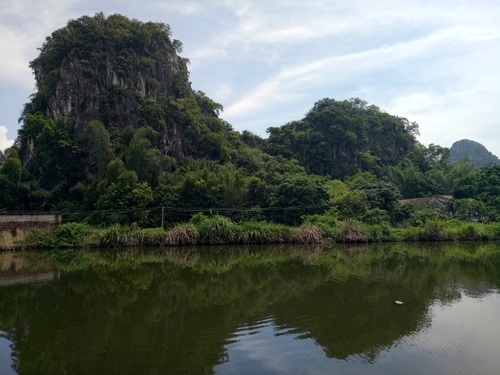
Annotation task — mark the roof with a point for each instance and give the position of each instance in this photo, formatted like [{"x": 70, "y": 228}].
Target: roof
[{"x": 432, "y": 200}]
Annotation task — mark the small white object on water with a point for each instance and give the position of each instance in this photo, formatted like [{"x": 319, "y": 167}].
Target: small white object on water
[{"x": 398, "y": 302}]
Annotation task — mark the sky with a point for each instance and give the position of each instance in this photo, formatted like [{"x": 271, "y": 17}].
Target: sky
[{"x": 268, "y": 62}]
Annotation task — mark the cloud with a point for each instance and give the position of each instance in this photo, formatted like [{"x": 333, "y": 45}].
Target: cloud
[
  {"x": 433, "y": 62},
  {"x": 4, "y": 142},
  {"x": 293, "y": 81},
  {"x": 24, "y": 24}
]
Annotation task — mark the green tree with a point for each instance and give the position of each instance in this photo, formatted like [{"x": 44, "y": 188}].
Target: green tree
[
  {"x": 102, "y": 147},
  {"x": 201, "y": 188},
  {"x": 296, "y": 197}
]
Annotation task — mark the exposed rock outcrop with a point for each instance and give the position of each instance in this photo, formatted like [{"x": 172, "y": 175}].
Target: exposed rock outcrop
[
  {"x": 117, "y": 71},
  {"x": 474, "y": 151}
]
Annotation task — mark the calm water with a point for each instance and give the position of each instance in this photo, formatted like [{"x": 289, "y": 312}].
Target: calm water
[{"x": 279, "y": 310}]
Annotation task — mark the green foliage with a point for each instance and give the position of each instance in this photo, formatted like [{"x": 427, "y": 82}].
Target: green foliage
[
  {"x": 158, "y": 143},
  {"x": 71, "y": 235},
  {"x": 142, "y": 158},
  {"x": 215, "y": 229},
  {"x": 201, "y": 189},
  {"x": 311, "y": 196},
  {"x": 352, "y": 232},
  {"x": 12, "y": 170},
  {"x": 183, "y": 234},
  {"x": 412, "y": 182},
  {"x": 434, "y": 231},
  {"x": 126, "y": 193},
  {"x": 484, "y": 187},
  {"x": 67, "y": 235},
  {"x": 380, "y": 194},
  {"x": 353, "y": 204},
  {"x": 418, "y": 215},
  {"x": 375, "y": 216},
  {"x": 339, "y": 138},
  {"x": 115, "y": 168},
  {"x": 102, "y": 147},
  {"x": 307, "y": 233},
  {"x": 327, "y": 222},
  {"x": 253, "y": 232},
  {"x": 472, "y": 210}
]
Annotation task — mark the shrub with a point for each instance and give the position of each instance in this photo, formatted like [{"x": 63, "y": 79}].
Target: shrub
[
  {"x": 71, "y": 235},
  {"x": 217, "y": 230},
  {"x": 115, "y": 235},
  {"x": 308, "y": 233},
  {"x": 38, "y": 236},
  {"x": 254, "y": 232},
  {"x": 145, "y": 237},
  {"x": 434, "y": 231},
  {"x": 66, "y": 235},
  {"x": 182, "y": 234},
  {"x": 353, "y": 233},
  {"x": 469, "y": 232}
]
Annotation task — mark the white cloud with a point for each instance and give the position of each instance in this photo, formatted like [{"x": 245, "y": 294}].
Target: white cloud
[
  {"x": 293, "y": 81},
  {"x": 4, "y": 142},
  {"x": 24, "y": 24},
  {"x": 433, "y": 62}
]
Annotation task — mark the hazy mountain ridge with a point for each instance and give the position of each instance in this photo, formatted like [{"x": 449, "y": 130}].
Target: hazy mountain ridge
[{"x": 474, "y": 151}]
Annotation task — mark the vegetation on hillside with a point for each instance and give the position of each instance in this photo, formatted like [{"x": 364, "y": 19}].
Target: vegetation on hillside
[{"x": 110, "y": 138}]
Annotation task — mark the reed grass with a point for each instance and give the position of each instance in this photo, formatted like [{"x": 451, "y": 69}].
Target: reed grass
[
  {"x": 183, "y": 234},
  {"x": 220, "y": 230},
  {"x": 308, "y": 234},
  {"x": 217, "y": 230},
  {"x": 351, "y": 232}
]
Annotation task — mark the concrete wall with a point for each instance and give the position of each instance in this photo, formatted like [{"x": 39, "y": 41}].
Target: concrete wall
[
  {"x": 12, "y": 238},
  {"x": 13, "y": 228},
  {"x": 29, "y": 220}
]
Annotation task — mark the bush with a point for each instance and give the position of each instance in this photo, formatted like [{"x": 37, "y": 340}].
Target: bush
[
  {"x": 145, "y": 237},
  {"x": 469, "y": 232},
  {"x": 434, "y": 231},
  {"x": 308, "y": 233},
  {"x": 183, "y": 234},
  {"x": 353, "y": 233},
  {"x": 216, "y": 229},
  {"x": 254, "y": 232},
  {"x": 72, "y": 235},
  {"x": 66, "y": 235},
  {"x": 115, "y": 235}
]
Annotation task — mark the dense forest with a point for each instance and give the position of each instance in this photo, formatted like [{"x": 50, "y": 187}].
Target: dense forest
[{"x": 116, "y": 131}]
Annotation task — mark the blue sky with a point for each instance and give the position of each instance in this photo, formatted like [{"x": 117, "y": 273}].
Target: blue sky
[{"x": 433, "y": 62}]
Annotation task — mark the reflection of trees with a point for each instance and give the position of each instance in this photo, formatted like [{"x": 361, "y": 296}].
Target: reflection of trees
[{"x": 141, "y": 315}]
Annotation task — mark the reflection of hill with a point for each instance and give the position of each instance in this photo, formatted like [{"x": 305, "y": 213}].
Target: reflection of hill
[
  {"x": 152, "y": 316},
  {"x": 357, "y": 316}
]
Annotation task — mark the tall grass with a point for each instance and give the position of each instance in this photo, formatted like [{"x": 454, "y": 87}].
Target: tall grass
[
  {"x": 261, "y": 233},
  {"x": 183, "y": 234},
  {"x": 64, "y": 236},
  {"x": 434, "y": 231},
  {"x": 351, "y": 232},
  {"x": 308, "y": 234},
  {"x": 217, "y": 230}
]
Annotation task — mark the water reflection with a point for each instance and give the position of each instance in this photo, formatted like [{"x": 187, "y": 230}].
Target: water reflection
[{"x": 271, "y": 310}]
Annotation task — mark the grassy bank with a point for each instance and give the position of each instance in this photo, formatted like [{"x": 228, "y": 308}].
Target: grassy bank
[{"x": 217, "y": 230}]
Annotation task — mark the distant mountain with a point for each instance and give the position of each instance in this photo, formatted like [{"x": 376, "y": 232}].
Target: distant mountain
[{"x": 476, "y": 152}]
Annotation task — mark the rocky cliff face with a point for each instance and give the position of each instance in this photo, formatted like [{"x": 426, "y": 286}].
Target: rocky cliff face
[
  {"x": 474, "y": 151},
  {"x": 117, "y": 71}
]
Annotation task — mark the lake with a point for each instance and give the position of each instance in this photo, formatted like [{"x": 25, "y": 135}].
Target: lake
[{"x": 253, "y": 310}]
